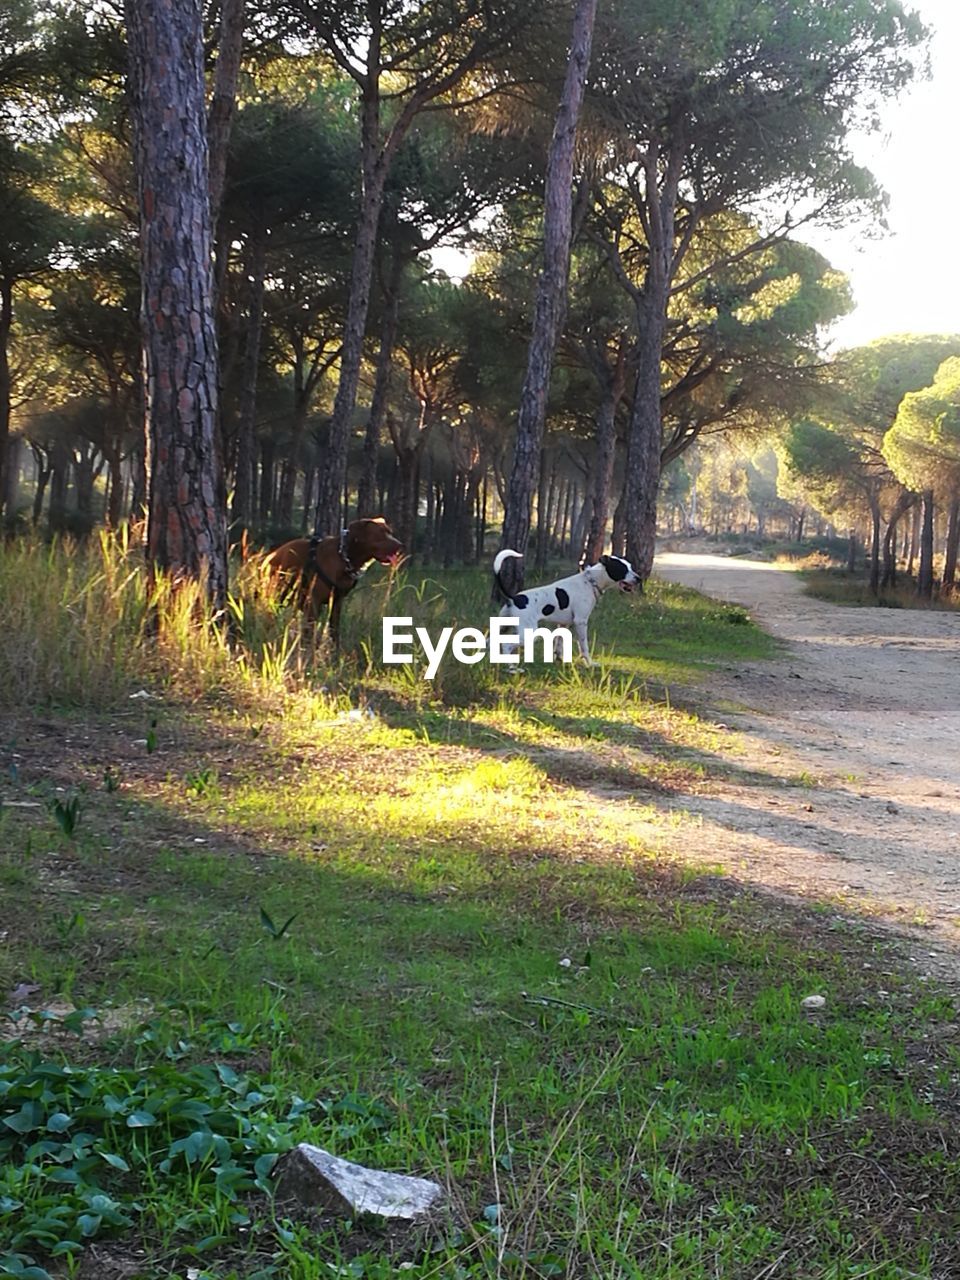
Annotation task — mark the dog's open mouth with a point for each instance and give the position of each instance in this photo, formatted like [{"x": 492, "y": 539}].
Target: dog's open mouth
[
  {"x": 625, "y": 586},
  {"x": 392, "y": 560}
]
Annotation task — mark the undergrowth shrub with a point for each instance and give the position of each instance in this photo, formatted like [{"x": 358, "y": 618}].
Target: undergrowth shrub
[{"x": 83, "y": 624}]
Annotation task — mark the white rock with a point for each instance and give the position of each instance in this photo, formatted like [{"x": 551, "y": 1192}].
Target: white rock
[
  {"x": 814, "y": 1002},
  {"x": 315, "y": 1177}
]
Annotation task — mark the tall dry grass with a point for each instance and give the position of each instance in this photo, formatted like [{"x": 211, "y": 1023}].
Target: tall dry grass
[{"x": 84, "y": 625}]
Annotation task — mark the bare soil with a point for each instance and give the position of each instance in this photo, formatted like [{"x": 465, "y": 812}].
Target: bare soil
[{"x": 857, "y": 729}]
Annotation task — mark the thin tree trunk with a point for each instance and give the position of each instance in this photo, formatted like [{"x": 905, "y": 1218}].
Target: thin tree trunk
[
  {"x": 371, "y": 440},
  {"x": 914, "y": 536},
  {"x": 224, "y": 99},
  {"x": 59, "y": 480},
  {"x": 374, "y": 165},
  {"x": 543, "y": 512},
  {"x": 644, "y": 437},
  {"x": 268, "y": 451},
  {"x": 558, "y": 513},
  {"x": 11, "y": 477},
  {"x": 852, "y": 552},
  {"x": 187, "y": 526},
  {"x": 611, "y": 392},
  {"x": 875, "y": 548},
  {"x": 243, "y": 486},
  {"x": 951, "y": 547},
  {"x": 6, "y": 323},
  {"x": 925, "y": 573},
  {"x": 551, "y": 293},
  {"x": 428, "y": 531},
  {"x": 618, "y": 535},
  {"x": 43, "y": 475}
]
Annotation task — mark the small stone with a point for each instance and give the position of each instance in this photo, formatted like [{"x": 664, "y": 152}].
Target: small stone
[
  {"x": 317, "y": 1178},
  {"x": 891, "y": 807},
  {"x": 814, "y": 1002},
  {"x": 566, "y": 962}
]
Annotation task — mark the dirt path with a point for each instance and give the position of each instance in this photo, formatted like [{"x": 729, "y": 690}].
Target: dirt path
[{"x": 863, "y": 712}]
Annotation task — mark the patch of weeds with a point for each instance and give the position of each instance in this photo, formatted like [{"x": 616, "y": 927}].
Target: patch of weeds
[
  {"x": 66, "y": 814},
  {"x": 202, "y": 782}
]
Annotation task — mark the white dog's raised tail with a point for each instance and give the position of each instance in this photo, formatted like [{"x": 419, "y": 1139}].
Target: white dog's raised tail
[{"x": 501, "y": 556}]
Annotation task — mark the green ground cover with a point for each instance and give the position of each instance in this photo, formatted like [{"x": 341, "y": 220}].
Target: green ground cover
[{"x": 428, "y": 928}]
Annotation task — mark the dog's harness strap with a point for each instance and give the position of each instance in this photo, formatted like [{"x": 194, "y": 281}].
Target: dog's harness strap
[
  {"x": 313, "y": 564},
  {"x": 342, "y": 551}
]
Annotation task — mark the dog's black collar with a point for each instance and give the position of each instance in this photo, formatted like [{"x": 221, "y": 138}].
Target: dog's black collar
[{"x": 342, "y": 551}]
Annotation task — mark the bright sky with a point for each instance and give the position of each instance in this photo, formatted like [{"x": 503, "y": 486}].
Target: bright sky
[{"x": 909, "y": 281}]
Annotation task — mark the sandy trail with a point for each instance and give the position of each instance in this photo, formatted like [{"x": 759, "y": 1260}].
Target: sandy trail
[{"x": 863, "y": 711}]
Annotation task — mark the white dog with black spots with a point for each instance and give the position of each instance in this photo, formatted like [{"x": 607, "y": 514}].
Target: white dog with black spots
[{"x": 567, "y": 603}]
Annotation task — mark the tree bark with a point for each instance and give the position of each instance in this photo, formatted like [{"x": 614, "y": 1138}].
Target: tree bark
[
  {"x": 59, "y": 480},
  {"x": 644, "y": 438},
  {"x": 366, "y": 492},
  {"x": 925, "y": 573},
  {"x": 6, "y": 323},
  {"x": 551, "y": 294},
  {"x": 43, "y": 475},
  {"x": 187, "y": 526},
  {"x": 243, "y": 487},
  {"x": 612, "y": 388},
  {"x": 11, "y": 477},
  {"x": 952, "y": 546},
  {"x": 874, "y": 547},
  {"x": 224, "y": 99}
]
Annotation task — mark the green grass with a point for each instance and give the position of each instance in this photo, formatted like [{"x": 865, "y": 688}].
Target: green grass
[{"x": 427, "y": 927}]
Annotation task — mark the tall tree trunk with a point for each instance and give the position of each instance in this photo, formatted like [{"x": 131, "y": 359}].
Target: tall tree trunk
[
  {"x": 874, "y": 547},
  {"x": 366, "y": 491},
  {"x": 902, "y": 505},
  {"x": 429, "y": 488},
  {"x": 84, "y": 476},
  {"x": 852, "y": 552},
  {"x": 951, "y": 547},
  {"x": 544, "y": 495},
  {"x": 11, "y": 477},
  {"x": 43, "y": 475},
  {"x": 224, "y": 99},
  {"x": 644, "y": 442},
  {"x": 612, "y": 388},
  {"x": 6, "y": 323},
  {"x": 187, "y": 526},
  {"x": 374, "y": 165},
  {"x": 59, "y": 480},
  {"x": 268, "y": 454},
  {"x": 914, "y": 536},
  {"x": 618, "y": 534},
  {"x": 481, "y": 520},
  {"x": 243, "y": 481},
  {"x": 925, "y": 573},
  {"x": 551, "y": 293}
]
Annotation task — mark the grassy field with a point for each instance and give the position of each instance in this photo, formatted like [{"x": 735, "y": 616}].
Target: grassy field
[{"x": 424, "y": 926}]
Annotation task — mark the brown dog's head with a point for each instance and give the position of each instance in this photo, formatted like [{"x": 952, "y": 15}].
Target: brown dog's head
[{"x": 372, "y": 539}]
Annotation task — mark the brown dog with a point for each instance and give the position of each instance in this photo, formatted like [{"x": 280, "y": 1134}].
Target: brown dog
[{"x": 319, "y": 572}]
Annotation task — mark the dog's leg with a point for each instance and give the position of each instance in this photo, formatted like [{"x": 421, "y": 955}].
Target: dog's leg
[{"x": 580, "y": 631}]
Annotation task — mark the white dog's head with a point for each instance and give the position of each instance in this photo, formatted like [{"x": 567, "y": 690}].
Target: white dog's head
[{"x": 614, "y": 571}]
